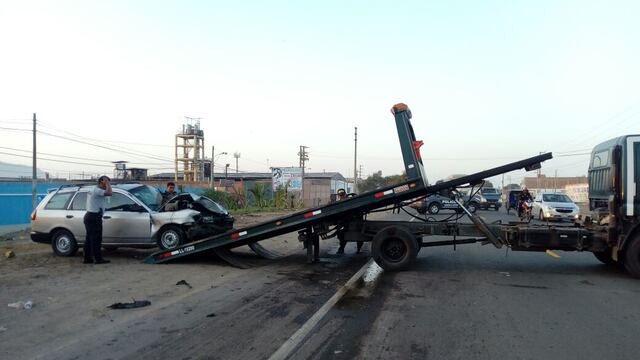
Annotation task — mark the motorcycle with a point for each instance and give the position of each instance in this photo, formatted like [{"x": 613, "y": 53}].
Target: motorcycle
[{"x": 526, "y": 211}]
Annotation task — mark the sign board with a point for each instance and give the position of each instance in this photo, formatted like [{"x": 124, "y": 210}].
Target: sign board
[{"x": 281, "y": 175}]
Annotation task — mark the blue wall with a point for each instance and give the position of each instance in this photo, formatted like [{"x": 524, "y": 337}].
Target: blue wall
[{"x": 15, "y": 201}]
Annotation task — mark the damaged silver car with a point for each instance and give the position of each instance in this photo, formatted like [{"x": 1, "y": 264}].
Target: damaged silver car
[{"x": 135, "y": 217}]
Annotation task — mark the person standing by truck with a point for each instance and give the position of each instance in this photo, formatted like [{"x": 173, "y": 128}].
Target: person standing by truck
[{"x": 93, "y": 221}]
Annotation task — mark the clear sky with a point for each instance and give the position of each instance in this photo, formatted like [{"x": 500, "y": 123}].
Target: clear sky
[{"x": 488, "y": 82}]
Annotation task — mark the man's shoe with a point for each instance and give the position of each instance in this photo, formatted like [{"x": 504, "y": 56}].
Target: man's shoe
[
  {"x": 87, "y": 262},
  {"x": 103, "y": 261}
]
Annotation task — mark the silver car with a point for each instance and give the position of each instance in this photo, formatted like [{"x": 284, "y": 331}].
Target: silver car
[
  {"x": 554, "y": 206},
  {"x": 135, "y": 217}
]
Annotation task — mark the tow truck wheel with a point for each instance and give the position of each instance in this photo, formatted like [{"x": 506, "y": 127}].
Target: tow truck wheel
[
  {"x": 170, "y": 237},
  {"x": 394, "y": 248},
  {"x": 605, "y": 257},
  {"x": 472, "y": 207},
  {"x": 632, "y": 256},
  {"x": 434, "y": 208}
]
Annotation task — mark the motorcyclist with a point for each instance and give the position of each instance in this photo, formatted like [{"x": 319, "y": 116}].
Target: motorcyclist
[{"x": 525, "y": 195}]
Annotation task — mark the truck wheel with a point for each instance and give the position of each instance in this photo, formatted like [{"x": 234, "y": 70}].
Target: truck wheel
[
  {"x": 394, "y": 248},
  {"x": 605, "y": 257},
  {"x": 170, "y": 237},
  {"x": 434, "y": 208},
  {"x": 632, "y": 256},
  {"x": 64, "y": 243}
]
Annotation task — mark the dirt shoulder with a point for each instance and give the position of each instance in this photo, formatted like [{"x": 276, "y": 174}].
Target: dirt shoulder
[{"x": 70, "y": 318}]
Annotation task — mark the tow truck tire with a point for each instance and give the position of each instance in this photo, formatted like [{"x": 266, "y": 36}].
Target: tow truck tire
[
  {"x": 394, "y": 248},
  {"x": 605, "y": 257},
  {"x": 433, "y": 208},
  {"x": 632, "y": 256},
  {"x": 472, "y": 207}
]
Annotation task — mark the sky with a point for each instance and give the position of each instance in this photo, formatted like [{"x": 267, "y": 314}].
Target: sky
[{"x": 488, "y": 82}]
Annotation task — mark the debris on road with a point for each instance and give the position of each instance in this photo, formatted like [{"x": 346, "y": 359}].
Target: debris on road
[
  {"x": 27, "y": 305},
  {"x": 211, "y": 315},
  {"x": 185, "y": 283},
  {"x": 505, "y": 273},
  {"x": 9, "y": 254},
  {"x": 130, "y": 305}
]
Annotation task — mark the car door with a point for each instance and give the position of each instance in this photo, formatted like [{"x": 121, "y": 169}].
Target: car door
[
  {"x": 74, "y": 218},
  {"x": 122, "y": 225}
]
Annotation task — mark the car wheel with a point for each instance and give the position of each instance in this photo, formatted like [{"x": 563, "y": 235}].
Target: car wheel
[
  {"x": 170, "y": 237},
  {"x": 472, "y": 207},
  {"x": 64, "y": 243},
  {"x": 434, "y": 208}
]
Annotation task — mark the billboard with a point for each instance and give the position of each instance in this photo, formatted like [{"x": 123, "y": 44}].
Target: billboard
[{"x": 281, "y": 175}]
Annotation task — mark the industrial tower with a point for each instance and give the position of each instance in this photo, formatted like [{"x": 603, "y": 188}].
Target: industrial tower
[{"x": 190, "y": 151}]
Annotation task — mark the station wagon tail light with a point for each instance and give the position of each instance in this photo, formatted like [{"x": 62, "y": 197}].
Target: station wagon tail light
[{"x": 33, "y": 215}]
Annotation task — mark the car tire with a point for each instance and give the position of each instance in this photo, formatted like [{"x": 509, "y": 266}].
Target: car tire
[
  {"x": 171, "y": 237},
  {"x": 64, "y": 243},
  {"x": 472, "y": 207},
  {"x": 433, "y": 208},
  {"x": 394, "y": 248}
]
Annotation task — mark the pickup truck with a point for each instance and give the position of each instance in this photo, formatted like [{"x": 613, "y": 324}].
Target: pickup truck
[{"x": 489, "y": 198}]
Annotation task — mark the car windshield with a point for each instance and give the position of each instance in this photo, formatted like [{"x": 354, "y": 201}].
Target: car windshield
[
  {"x": 560, "y": 198},
  {"x": 489, "y": 191},
  {"x": 210, "y": 204},
  {"x": 149, "y": 195}
]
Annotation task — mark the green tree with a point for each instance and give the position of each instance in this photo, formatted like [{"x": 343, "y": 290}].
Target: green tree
[{"x": 377, "y": 181}]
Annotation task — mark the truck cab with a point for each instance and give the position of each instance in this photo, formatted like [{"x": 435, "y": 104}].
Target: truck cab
[{"x": 614, "y": 196}]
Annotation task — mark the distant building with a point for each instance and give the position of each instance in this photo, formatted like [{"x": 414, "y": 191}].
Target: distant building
[
  {"x": 578, "y": 192},
  {"x": 551, "y": 183}
]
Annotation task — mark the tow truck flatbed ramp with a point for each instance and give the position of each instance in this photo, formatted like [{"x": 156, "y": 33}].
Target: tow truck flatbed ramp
[{"x": 355, "y": 207}]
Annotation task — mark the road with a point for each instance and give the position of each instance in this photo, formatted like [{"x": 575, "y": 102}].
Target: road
[
  {"x": 472, "y": 303},
  {"x": 478, "y": 302}
]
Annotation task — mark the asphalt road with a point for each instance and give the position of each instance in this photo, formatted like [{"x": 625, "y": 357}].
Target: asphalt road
[{"x": 478, "y": 302}]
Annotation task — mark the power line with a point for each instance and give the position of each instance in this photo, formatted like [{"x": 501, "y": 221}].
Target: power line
[
  {"x": 104, "y": 141},
  {"x": 14, "y": 129},
  {"x": 105, "y": 147},
  {"x": 46, "y": 159}
]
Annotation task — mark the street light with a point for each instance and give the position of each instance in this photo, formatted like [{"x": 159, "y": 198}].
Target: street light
[{"x": 213, "y": 160}]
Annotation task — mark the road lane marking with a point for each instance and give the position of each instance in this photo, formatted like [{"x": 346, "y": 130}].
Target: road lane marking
[{"x": 296, "y": 339}]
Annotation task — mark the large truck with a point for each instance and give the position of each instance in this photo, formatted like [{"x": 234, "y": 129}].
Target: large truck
[
  {"x": 614, "y": 200},
  {"x": 611, "y": 233}
]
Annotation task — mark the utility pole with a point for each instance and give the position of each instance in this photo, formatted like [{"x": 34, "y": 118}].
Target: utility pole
[
  {"x": 213, "y": 155},
  {"x": 237, "y": 156},
  {"x": 355, "y": 161},
  {"x": 304, "y": 157},
  {"x": 34, "y": 175},
  {"x": 226, "y": 168}
]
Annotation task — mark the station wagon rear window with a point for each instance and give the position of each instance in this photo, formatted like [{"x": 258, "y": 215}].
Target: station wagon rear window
[
  {"x": 600, "y": 159},
  {"x": 58, "y": 201}
]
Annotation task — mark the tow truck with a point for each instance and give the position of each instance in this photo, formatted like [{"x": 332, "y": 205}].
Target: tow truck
[{"x": 612, "y": 232}]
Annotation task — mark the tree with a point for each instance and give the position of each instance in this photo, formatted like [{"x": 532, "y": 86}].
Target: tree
[{"x": 377, "y": 181}]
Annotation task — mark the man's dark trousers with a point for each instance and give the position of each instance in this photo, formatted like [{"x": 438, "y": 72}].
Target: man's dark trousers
[{"x": 93, "y": 242}]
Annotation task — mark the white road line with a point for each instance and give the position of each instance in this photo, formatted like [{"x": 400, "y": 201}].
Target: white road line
[
  {"x": 412, "y": 219},
  {"x": 294, "y": 341}
]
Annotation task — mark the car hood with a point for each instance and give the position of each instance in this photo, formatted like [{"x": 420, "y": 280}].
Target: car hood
[{"x": 198, "y": 203}]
